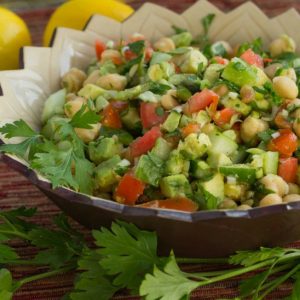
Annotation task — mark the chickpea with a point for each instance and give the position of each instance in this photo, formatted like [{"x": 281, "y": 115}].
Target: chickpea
[
  {"x": 70, "y": 97},
  {"x": 164, "y": 44},
  {"x": 88, "y": 135},
  {"x": 111, "y": 55},
  {"x": 244, "y": 207},
  {"x": 282, "y": 44},
  {"x": 272, "y": 69},
  {"x": 276, "y": 184},
  {"x": 247, "y": 93},
  {"x": 221, "y": 90},
  {"x": 270, "y": 199},
  {"x": 285, "y": 87},
  {"x": 251, "y": 127},
  {"x": 93, "y": 77},
  {"x": 227, "y": 204},
  {"x": 293, "y": 188},
  {"x": 291, "y": 198},
  {"x": 168, "y": 101},
  {"x": 112, "y": 82},
  {"x": 73, "y": 80},
  {"x": 73, "y": 106}
]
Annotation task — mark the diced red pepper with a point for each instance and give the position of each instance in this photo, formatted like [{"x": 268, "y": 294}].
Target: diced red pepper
[
  {"x": 183, "y": 204},
  {"x": 285, "y": 144},
  {"x": 220, "y": 60},
  {"x": 202, "y": 100},
  {"x": 252, "y": 58},
  {"x": 267, "y": 60},
  {"x": 152, "y": 114},
  {"x": 99, "y": 47},
  {"x": 145, "y": 143},
  {"x": 288, "y": 169},
  {"x": 129, "y": 189},
  {"x": 190, "y": 128},
  {"x": 111, "y": 117},
  {"x": 223, "y": 116}
]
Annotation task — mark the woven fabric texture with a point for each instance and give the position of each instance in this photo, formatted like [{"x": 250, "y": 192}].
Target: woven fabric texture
[{"x": 16, "y": 191}]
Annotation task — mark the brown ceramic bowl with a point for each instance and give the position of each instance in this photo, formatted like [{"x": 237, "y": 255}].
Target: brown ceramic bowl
[{"x": 199, "y": 234}]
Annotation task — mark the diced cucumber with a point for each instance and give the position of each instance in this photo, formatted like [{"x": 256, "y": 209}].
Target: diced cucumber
[
  {"x": 242, "y": 173},
  {"x": 175, "y": 186},
  {"x": 131, "y": 118},
  {"x": 239, "y": 155},
  {"x": 238, "y": 106},
  {"x": 221, "y": 143},
  {"x": 201, "y": 170},
  {"x": 270, "y": 162},
  {"x": 161, "y": 149},
  {"x": 215, "y": 186},
  {"x": 172, "y": 122}
]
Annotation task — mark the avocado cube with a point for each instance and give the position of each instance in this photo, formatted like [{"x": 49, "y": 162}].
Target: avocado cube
[
  {"x": 201, "y": 170},
  {"x": 215, "y": 186},
  {"x": 104, "y": 149},
  {"x": 149, "y": 169},
  {"x": 105, "y": 175},
  {"x": 49, "y": 130},
  {"x": 91, "y": 91},
  {"x": 176, "y": 164},
  {"x": 161, "y": 71},
  {"x": 131, "y": 119},
  {"x": 182, "y": 39},
  {"x": 172, "y": 122},
  {"x": 218, "y": 159},
  {"x": 213, "y": 73},
  {"x": 175, "y": 186},
  {"x": 194, "y": 146}
]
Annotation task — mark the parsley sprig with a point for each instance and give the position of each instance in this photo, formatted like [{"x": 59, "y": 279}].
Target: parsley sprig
[
  {"x": 126, "y": 257},
  {"x": 67, "y": 167}
]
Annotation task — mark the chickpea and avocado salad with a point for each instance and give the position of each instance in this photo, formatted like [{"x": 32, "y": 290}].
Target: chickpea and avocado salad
[{"x": 181, "y": 123}]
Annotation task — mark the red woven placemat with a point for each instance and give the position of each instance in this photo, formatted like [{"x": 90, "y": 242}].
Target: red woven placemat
[{"x": 15, "y": 190}]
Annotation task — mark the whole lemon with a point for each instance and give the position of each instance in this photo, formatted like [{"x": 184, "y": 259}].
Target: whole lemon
[
  {"x": 76, "y": 13},
  {"x": 14, "y": 34}
]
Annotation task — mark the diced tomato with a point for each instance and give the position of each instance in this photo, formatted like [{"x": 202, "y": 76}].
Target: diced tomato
[
  {"x": 111, "y": 117},
  {"x": 145, "y": 143},
  {"x": 150, "y": 116},
  {"x": 119, "y": 105},
  {"x": 99, "y": 47},
  {"x": 252, "y": 58},
  {"x": 129, "y": 189},
  {"x": 202, "y": 100},
  {"x": 130, "y": 55},
  {"x": 190, "y": 128},
  {"x": 183, "y": 204},
  {"x": 220, "y": 60},
  {"x": 267, "y": 60},
  {"x": 288, "y": 169},
  {"x": 285, "y": 144},
  {"x": 223, "y": 116},
  {"x": 148, "y": 53}
]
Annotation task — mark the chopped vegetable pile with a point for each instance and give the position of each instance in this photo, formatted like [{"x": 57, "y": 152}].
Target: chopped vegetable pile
[{"x": 180, "y": 123}]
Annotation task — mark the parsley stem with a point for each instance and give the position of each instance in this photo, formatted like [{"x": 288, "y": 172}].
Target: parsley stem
[
  {"x": 235, "y": 273},
  {"x": 22, "y": 262},
  {"x": 181, "y": 260},
  {"x": 279, "y": 281},
  {"x": 23, "y": 281}
]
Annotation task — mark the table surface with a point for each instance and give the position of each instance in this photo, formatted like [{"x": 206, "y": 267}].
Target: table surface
[{"x": 16, "y": 190}]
